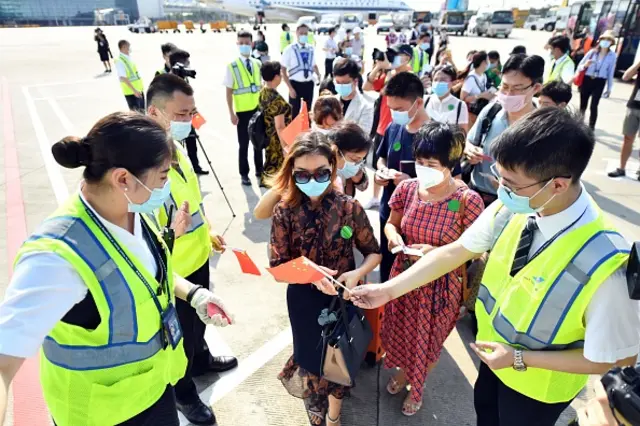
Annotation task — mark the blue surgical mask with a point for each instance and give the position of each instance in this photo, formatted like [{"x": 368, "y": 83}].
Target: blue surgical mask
[
  {"x": 605, "y": 44},
  {"x": 155, "y": 201},
  {"x": 402, "y": 117},
  {"x": 245, "y": 49},
  {"x": 349, "y": 169},
  {"x": 519, "y": 203},
  {"x": 491, "y": 66},
  {"x": 343, "y": 90},
  {"x": 348, "y": 51},
  {"x": 304, "y": 39},
  {"x": 440, "y": 88},
  {"x": 313, "y": 188},
  {"x": 397, "y": 62},
  {"x": 425, "y": 46},
  {"x": 180, "y": 129}
]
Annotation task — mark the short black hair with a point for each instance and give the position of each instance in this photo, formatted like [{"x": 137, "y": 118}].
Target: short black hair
[
  {"x": 178, "y": 56},
  {"x": 446, "y": 70},
  {"x": 302, "y": 25},
  {"x": 327, "y": 84},
  {"x": 347, "y": 136},
  {"x": 441, "y": 141},
  {"x": 493, "y": 54},
  {"x": 519, "y": 50},
  {"x": 405, "y": 85},
  {"x": 245, "y": 34},
  {"x": 557, "y": 91},
  {"x": 284, "y": 26},
  {"x": 122, "y": 43},
  {"x": 478, "y": 58},
  {"x": 561, "y": 42},
  {"x": 164, "y": 86},
  {"x": 168, "y": 48},
  {"x": 343, "y": 66},
  {"x": 423, "y": 35},
  {"x": 332, "y": 30},
  {"x": 531, "y": 67},
  {"x": 549, "y": 142},
  {"x": 270, "y": 70}
]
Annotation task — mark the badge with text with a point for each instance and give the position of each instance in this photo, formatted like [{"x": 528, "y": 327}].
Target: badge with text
[{"x": 171, "y": 325}]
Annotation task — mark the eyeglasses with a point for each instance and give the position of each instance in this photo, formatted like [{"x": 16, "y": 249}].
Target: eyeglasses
[
  {"x": 357, "y": 163},
  {"x": 320, "y": 176},
  {"x": 496, "y": 173},
  {"x": 514, "y": 90}
]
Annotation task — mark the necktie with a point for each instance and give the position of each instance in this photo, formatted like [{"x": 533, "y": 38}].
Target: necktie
[
  {"x": 522, "y": 252},
  {"x": 249, "y": 66},
  {"x": 553, "y": 67}
]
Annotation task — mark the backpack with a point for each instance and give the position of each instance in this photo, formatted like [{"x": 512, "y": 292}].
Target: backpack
[
  {"x": 258, "y": 131},
  {"x": 485, "y": 127}
]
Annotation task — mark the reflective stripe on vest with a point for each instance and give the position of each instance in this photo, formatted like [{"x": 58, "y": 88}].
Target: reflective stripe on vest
[
  {"x": 122, "y": 347},
  {"x": 196, "y": 218},
  {"x": 558, "y": 300},
  {"x": 132, "y": 75},
  {"x": 300, "y": 63},
  {"x": 242, "y": 89}
]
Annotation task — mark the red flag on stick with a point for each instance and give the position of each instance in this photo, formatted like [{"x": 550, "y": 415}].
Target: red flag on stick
[
  {"x": 296, "y": 271},
  {"x": 198, "y": 121},
  {"x": 298, "y": 125},
  {"x": 246, "y": 264}
]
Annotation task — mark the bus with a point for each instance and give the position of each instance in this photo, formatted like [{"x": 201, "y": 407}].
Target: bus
[{"x": 589, "y": 19}]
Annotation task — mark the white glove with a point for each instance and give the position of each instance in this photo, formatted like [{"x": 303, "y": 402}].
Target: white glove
[{"x": 199, "y": 302}]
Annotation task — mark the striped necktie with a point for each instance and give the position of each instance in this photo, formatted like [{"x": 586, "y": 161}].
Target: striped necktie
[{"x": 522, "y": 253}]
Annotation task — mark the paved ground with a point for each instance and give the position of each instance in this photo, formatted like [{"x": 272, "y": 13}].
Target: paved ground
[{"x": 52, "y": 86}]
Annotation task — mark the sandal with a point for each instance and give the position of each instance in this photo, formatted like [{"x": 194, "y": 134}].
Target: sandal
[
  {"x": 330, "y": 421},
  {"x": 394, "y": 387},
  {"x": 410, "y": 407},
  {"x": 315, "y": 418}
]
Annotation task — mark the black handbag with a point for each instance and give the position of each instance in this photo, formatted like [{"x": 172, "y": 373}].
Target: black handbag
[
  {"x": 345, "y": 339},
  {"x": 477, "y": 106}
]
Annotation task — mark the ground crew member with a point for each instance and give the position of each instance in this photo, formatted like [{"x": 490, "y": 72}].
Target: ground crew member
[
  {"x": 553, "y": 306},
  {"x": 166, "y": 48},
  {"x": 420, "y": 54},
  {"x": 171, "y": 104},
  {"x": 285, "y": 38},
  {"x": 130, "y": 80},
  {"x": 242, "y": 80},
  {"x": 94, "y": 286},
  {"x": 298, "y": 65},
  {"x": 562, "y": 67}
]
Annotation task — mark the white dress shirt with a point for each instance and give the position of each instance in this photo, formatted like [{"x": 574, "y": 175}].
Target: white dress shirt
[
  {"x": 446, "y": 110},
  {"x": 332, "y": 48},
  {"x": 360, "y": 111},
  {"x": 228, "y": 75},
  {"x": 44, "y": 287},
  {"x": 612, "y": 319},
  {"x": 290, "y": 61}
]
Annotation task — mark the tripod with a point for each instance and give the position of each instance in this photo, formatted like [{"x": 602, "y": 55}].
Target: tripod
[{"x": 215, "y": 175}]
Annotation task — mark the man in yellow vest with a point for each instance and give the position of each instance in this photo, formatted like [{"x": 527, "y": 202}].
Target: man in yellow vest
[
  {"x": 130, "y": 80},
  {"x": 420, "y": 54},
  {"x": 171, "y": 103},
  {"x": 166, "y": 49},
  {"x": 242, "y": 80},
  {"x": 553, "y": 305},
  {"x": 561, "y": 67},
  {"x": 285, "y": 37}
]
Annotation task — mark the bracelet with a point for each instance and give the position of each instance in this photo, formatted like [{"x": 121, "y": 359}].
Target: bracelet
[{"x": 192, "y": 292}]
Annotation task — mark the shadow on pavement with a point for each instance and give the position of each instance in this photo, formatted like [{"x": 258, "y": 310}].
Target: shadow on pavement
[
  {"x": 612, "y": 207},
  {"x": 255, "y": 230}
]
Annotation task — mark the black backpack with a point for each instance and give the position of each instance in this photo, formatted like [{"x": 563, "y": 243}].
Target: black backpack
[
  {"x": 485, "y": 126},
  {"x": 258, "y": 131}
]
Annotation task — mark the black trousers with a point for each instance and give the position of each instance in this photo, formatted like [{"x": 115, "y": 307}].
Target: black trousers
[
  {"x": 243, "y": 149},
  {"x": 193, "y": 335},
  {"x": 387, "y": 257},
  {"x": 135, "y": 103},
  {"x": 497, "y": 404},
  {"x": 591, "y": 88},
  {"x": 303, "y": 91},
  {"x": 328, "y": 68},
  {"x": 192, "y": 149}
]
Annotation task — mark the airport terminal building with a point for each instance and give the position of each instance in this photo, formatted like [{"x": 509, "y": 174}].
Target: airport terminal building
[{"x": 69, "y": 12}]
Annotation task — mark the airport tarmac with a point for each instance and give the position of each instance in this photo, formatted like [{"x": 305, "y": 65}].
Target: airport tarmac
[{"x": 52, "y": 85}]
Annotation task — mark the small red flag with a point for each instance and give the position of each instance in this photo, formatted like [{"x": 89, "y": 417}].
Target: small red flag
[
  {"x": 298, "y": 271},
  {"x": 198, "y": 121},
  {"x": 246, "y": 264},
  {"x": 298, "y": 125}
]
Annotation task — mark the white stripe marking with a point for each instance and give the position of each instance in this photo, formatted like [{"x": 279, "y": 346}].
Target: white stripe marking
[
  {"x": 73, "y": 95},
  {"x": 62, "y": 83},
  {"x": 64, "y": 120}
]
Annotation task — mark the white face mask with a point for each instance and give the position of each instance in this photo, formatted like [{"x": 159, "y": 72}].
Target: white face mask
[{"x": 428, "y": 177}]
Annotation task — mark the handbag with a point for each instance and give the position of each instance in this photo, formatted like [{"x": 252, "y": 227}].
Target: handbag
[
  {"x": 471, "y": 273},
  {"x": 345, "y": 339},
  {"x": 578, "y": 78},
  {"x": 477, "y": 106}
]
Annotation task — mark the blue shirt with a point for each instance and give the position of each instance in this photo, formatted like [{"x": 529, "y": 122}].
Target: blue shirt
[
  {"x": 600, "y": 68},
  {"x": 396, "y": 146}
]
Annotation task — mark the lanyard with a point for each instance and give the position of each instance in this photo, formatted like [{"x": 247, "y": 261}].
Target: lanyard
[
  {"x": 126, "y": 258},
  {"x": 555, "y": 237}
]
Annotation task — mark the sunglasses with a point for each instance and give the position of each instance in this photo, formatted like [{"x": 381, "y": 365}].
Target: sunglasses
[{"x": 320, "y": 176}]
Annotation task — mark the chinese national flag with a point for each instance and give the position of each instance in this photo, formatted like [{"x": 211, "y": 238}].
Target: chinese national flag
[
  {"x": 246, "y": 264},
  {"x": 198, "y": 121},
  {"x": 298, "y": 125},
  {"x": 298, "y": 270}
]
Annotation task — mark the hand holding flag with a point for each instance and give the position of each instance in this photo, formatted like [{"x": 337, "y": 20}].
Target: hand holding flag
[{"x": 304, "y": 271}]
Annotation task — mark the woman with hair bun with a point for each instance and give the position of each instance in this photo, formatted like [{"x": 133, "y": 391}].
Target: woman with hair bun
[{"x": 93, "y": 286}]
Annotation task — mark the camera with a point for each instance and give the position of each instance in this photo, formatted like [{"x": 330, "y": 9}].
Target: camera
[
  {"x": 183, "y": 72},
  {"x": 633, "y": 272},
  {"x": 379, "y": 55}
]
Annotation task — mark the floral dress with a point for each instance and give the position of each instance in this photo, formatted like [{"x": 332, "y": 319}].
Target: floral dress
[
  {"x": 415, "y": 326},
  {"x": 272, "y": 105},
  {"x": 317, "y": 233}
]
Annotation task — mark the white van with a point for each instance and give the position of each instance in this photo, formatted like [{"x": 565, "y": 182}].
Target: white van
[
  {"x": 350, "y": 21},
  {"x": 494, "y": 23}
]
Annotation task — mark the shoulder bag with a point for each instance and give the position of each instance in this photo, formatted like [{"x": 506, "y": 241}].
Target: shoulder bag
[{"x": 471, "y": 271}]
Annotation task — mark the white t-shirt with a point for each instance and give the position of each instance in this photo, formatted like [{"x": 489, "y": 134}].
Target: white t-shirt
[
  {"x": 446, "y": 110},
  {"x": 332, "y": 48},
  {"x": 44, "y": 287},
  {"x": 227, "y": 81},
  {"x": 358, "y": 46},
  {"x": 475, "y": 84},
  {"x": 612, "y": 319},
  {"x": 121, "y": 70},
  {"x": 290, "y": 61}
]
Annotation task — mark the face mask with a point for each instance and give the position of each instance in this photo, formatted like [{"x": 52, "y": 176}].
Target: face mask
[
  {"x": 402, "y": 117},
  {"x": 425, "y": 46},
  {"x": 518, "y": 203},
  {"x": 245, "y": 49},
  {"x": 155, "y": 201},
  {"x": 397, "y": 62},
  {"x": 348, "y": 51},
  {"x": 349, "y": 169},
  {"x": 428, "y": 177},
  {"x": 490, "y": 66},
  {"x": 605, "y": 44},
  {"x": 511, "y": 103},
  {"x": 440, "y": 88},
  {"x": 303, "y": 39},
  {"x": 343, "y": 90},
  {"x": 313, "y": 188},
  {"x": 180, "y": 129}
]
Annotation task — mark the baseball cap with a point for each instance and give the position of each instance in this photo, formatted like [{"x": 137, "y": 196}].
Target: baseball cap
[
  {"x": 405, "y": 49},
  {"x": 357, "y": 30}
]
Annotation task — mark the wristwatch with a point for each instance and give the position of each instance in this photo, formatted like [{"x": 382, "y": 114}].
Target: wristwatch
[{"x": 518, "y": 361}]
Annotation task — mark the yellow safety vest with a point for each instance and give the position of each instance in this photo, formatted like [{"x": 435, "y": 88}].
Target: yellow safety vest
[
  {"x": 416, "y": 63},
  {"x": 285, "y": 40},
  {"x": 555, "y": 72},
  {"x": 543, "y": 306},
  {"x": 311, "y": 39},
  {"x": 192, "y": 249},
  {"x": 246, "y": 87},
  {"x": 132, "y": 75},
  {"x": 107, "y": 375}
]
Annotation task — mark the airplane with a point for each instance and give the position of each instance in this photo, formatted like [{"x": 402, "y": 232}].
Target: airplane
[{"x": 291, "y": 10}]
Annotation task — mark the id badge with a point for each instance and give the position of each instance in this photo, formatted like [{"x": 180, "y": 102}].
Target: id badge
[
  {"x": 254, "y": 88},
  {"x": 171, "y": 325}
]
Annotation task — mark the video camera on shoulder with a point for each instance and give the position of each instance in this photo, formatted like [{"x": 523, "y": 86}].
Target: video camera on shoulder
[
  {"x": 623, "y": 389},
  {"x": 182, "y": 71},
  {"x": 379, "y": 55}
]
